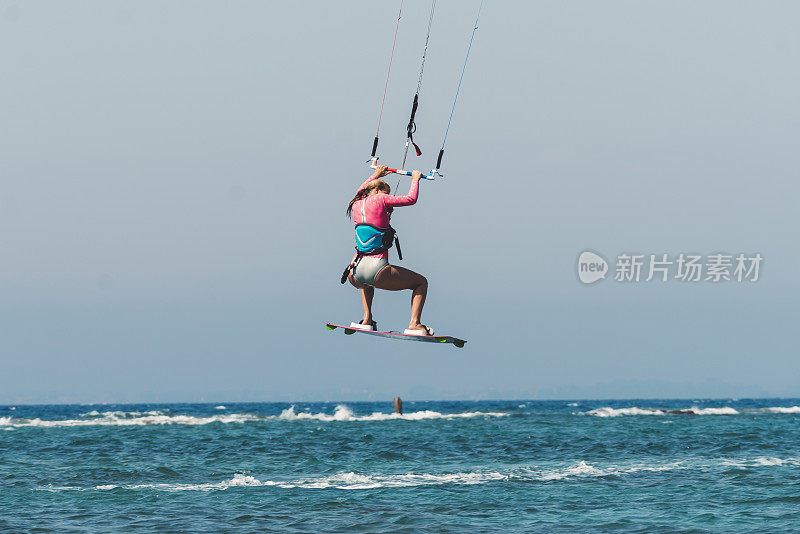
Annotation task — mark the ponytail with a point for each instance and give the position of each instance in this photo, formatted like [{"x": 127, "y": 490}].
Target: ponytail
[
  {"x": 361, "y": 193},
  {"x": 365, "y": 191}
]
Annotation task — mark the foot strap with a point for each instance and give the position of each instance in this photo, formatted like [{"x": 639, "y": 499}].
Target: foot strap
[
  {"x": 361, "y": 326},
  {"x": 414, "y": 332}
]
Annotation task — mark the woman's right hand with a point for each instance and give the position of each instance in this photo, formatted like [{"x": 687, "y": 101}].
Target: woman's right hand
[
  {"x": 380, "y": 171},
  {"x": 416, "y": 175}
]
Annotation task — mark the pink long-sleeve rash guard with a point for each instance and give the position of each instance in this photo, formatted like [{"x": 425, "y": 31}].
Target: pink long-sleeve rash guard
[{"x": 376, "y": 209}]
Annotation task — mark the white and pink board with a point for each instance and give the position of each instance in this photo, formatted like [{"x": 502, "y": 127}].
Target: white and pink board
[{"x": 397, "y": 335}]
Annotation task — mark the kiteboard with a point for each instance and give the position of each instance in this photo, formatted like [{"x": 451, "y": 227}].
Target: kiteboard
[{"x": 397, "y": 335}]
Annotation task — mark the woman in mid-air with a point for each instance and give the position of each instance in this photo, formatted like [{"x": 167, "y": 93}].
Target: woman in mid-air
[{"x": 371, "y": 210}]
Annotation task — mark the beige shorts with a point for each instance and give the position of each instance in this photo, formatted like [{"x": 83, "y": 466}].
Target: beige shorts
[{"x": 367, "y": 269}]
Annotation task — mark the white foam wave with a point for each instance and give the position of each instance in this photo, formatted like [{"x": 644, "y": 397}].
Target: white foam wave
[
  {"x": 344, "y": 413},
  {"x": 238, "y": 479},
  {"x": 346, "y": 481},
  {"x": 117, "y": 418},
  {"x": 761, "y": 461},
  {"x": 121, "y": 414},
  {"x": 352, "y": 481},
  {"x": 584, "y": 469},
  {"x": 580, "y": 469},
  {"x": 725, "y": 410},
  {"x": 781, "y": 409},
  {"x": 616, "y": 412},
  {"x": 220, "y": 407},
  {"x": 156, "y": 417},
  {"x": 769, "y": 461},
  {"x": 356, "y": 481},
  {"x": 53, "y": 489},
  {"x": 607, "y": 411}
]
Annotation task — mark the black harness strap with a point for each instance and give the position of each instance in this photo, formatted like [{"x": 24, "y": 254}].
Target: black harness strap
[{"x": 350, "y": 267}]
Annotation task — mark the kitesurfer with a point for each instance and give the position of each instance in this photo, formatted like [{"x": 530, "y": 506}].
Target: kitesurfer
[{"x": 371, "y": 209}]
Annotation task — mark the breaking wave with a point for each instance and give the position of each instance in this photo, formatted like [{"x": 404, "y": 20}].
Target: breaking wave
[
  {"x": 344, "y": 413},
  {"x": 356, "y": 481},
  {"x": 117, "y": 418},
  {"x": 583, "y": 469},
  {"x": 782, "y": 409},
  {"x": 761, "y": 461},
  {"x": 347, "y": 481},
  {"x": 694, "y": 410},
  {"x": 616, "y": 412},
  {"x": 157, "y": 417}
]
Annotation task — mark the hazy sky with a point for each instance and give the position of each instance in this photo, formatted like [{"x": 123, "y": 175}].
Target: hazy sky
[{"x": 173, "y": 179}]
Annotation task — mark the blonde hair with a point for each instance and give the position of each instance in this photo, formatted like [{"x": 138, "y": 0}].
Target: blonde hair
[{"x": 364, "y": 192}]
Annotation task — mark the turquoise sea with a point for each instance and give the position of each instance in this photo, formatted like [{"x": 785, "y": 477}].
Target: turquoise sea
[{"x": 558, "y": 466}]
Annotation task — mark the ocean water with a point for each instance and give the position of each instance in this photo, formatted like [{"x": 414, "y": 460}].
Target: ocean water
[{"x": 558, "y": 466}]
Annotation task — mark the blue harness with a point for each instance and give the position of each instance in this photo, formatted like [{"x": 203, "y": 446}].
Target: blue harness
[{"x": 373, "y": 240}]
